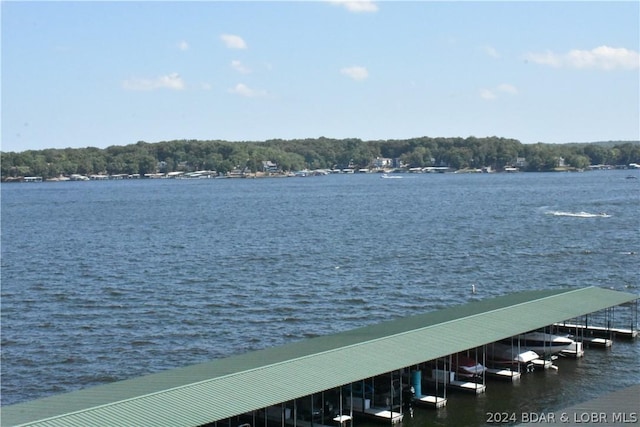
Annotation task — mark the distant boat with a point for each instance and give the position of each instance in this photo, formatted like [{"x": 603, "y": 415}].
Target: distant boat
[
  {"x": 387, "y": 176},
  {"x": 580, "y": 214}
]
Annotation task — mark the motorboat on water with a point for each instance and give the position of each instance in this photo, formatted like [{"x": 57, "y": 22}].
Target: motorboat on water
[
  {"x": 387, "y": 176},
  {"x": 541, "y": 343}
]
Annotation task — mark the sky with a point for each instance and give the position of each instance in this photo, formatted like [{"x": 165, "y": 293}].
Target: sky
[{"x": 97, "y": 73}]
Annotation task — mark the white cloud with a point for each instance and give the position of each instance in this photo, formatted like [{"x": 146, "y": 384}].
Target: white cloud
[
  {"x": 170, "y": 81},
  {"x": 602, "y": 57},
  {"x": 487, "y": 94},
  {"x": 244, "y": 90},
  {"x": 233, "y": 42},
  {"x": 493, "y": 93},
  {"x": 491, "y": 51},
  {"x": 239, "y": 67},
  {"x": 356, "y": 6},
  {"x": 507, "y": 88},
  {"x": 355, "y": 72},
  {"x": 183, "y": 45},
  {"x": 546, "y": 58}
]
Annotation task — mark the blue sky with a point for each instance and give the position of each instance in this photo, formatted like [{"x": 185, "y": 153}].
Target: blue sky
[{"x": 79, "y": 74}]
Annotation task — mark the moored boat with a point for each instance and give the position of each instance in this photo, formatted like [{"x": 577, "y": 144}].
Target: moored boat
[
  {"x": 540, "y": 342},
  {"x": 507, "y": 355},
  {"x": 466, "y": 366}
]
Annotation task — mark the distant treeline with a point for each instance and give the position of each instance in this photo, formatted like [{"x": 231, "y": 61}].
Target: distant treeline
[{"x": 318, "y": 153}]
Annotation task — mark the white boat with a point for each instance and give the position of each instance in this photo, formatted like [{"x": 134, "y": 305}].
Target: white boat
[
  {"x": 540, "y": 342},
  {"x": 467, "y": 367},
  {"x": 507, "y": 354},
  {"x": 387, "y": 176},
  {"x": 580, "y": 214}
]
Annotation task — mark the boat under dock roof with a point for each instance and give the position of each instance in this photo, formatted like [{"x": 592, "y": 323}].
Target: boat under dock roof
[{"x": 224, "y": 388}]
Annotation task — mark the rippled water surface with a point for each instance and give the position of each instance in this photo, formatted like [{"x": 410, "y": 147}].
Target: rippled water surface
[{"x": 103, "y": 281}]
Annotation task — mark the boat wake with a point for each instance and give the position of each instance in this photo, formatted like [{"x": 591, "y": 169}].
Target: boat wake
[{"x": 579, "y": 214}]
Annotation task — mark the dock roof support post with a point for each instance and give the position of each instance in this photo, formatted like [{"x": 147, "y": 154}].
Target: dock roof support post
[
  {"x": 437, "y": 360},
  {"x": 444, "y": 384},
  {"x": 517, "y": 361},
  {"x": 391, "y": 398},
  {"x": 484, "y": 363},
  {"x": 295, "y": 413},
  {"x": 373, "y": 391},
  {"x": 340, "y": 406},
  {"x": 351, "y": 406},
  {"x": 586, "y": 321},
  {"x": 401, "y": 391},
  {"x": 312, "y": 410}
]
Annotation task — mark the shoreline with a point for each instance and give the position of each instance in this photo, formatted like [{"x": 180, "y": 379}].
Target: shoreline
[{"x": 297, "y": 174}]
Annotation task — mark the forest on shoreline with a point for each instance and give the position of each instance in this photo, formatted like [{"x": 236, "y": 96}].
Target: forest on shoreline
[{"x": 314, "y": 153}]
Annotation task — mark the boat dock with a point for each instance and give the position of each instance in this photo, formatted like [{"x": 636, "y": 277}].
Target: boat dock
[
  {"x": 434, "y": 402},
  {"x": 341, "y": 419},
  {"x": 363, "y": 407},
  {"x": 448, "y": 379},
  {"x": 543, "y": 364},
  {"x": 383, "y": 359},
  {"x": 597, "y": 331},
  {"x": 303, "y": 423},
  {"x": 503, "y": 374},
  {"x": 575, "y": 351},
  {"x": 598, "y": 342},
  {"x": 383, "y": 415},
  {"x": 468, "y": 386}
]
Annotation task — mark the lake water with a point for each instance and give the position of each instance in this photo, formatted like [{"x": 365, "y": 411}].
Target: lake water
[{"x": 104, "y": 281}]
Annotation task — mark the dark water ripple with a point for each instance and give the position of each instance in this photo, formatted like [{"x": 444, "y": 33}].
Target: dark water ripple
[{"x": 103, "y": 281}]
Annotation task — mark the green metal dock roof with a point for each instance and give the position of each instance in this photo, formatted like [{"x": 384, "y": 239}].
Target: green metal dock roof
[{"x": 224, "y": 388}]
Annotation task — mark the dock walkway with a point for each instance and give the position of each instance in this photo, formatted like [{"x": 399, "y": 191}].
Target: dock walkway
[
  {"x": 448, "y": 379},
  {"x": 430, "y": 401},
  {"x": 597, "y": 331},
  {"x": 503, "y": 374}
]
